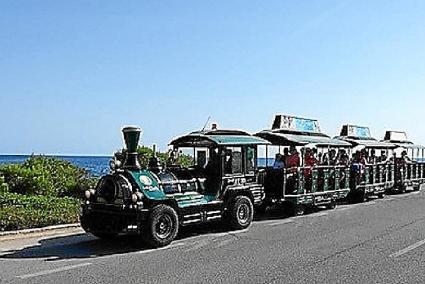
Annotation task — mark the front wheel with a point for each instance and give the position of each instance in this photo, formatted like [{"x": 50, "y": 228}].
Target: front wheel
[
  {"x": 241, "y": 213},
  {"x": 162, "y": 226}
]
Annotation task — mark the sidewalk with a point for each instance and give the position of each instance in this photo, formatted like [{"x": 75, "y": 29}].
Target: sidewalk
[{"x": 41, "y": 232}]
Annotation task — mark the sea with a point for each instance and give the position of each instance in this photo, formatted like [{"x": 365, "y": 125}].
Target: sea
[{"x": 95, "y": 165}]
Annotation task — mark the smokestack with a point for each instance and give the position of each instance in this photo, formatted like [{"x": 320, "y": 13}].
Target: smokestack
[{"x": 131, "y": 138}]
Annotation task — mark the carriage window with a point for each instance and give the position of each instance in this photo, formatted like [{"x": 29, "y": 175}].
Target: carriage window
[
  {"x": 201, "y": 158},
  {"x": 250, "y": 159},
  {"x": 233, "y": 160}
]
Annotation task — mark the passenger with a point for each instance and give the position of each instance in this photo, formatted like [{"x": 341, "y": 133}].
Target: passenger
[
  {"x": 278, "y": 162},
  {"x": 372, "y": 158},
  {"x": 342, "y": 159},
  {"x": 405, "y": 157},
  {"x": 325, "y": 159},
  {"x": 309, "y": 162},
  {"x": 320, "y": 158},
  {"x": 357, "y": 163},
  {"x": 363, "y": 157},
  {"x": 293, "y": 160},
  {"x": 285, "y": 154},
  {"x": 332, "y": 157},
  {"x": 383, "y": 158}
]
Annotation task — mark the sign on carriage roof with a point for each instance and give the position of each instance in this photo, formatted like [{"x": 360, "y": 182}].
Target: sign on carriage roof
[
  {"x": 396, "y": 136},
  {"x": 293, "y": 123},
  {"x": 355, "y": 131}
]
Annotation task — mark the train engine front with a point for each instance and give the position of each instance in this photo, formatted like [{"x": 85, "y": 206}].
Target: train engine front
[{"x": 130, "y": 200}]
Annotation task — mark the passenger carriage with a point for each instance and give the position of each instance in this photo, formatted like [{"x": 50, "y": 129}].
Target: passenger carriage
[
  {"x": 304, "y": 185},
  {"x": 409, "y": 162},
  {"x": 372, "y": 172}
]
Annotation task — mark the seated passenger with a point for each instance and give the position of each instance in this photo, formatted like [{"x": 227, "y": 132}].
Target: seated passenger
[
  {"x": 383, "y": 158},
  {"x": 293, "y": 161},
  {"x": 342, "y": 158},
  {"x": 278, "y": 162},
  {"x": 363, "y": 157},
  {"x": 405, "y": 157},
  {"x": 309, "y": 162},
  {"x": 372, "y": 158}
]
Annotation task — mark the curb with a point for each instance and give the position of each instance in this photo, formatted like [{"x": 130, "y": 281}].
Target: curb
[{"x": 38, "y": 230}]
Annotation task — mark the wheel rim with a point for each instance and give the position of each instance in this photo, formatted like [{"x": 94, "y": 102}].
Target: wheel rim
[
  {"x": 164, "y": 226},
  {"x": 243, "y": 213}
]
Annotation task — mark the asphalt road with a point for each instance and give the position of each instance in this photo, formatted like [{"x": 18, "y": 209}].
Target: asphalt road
[{"x": 382, "y": 241}]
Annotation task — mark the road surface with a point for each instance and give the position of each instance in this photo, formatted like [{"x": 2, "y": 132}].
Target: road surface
[{"x": 382, "y": 241}]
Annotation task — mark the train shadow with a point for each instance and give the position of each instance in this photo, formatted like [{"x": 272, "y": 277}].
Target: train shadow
[{"x": 86, "y": 246}]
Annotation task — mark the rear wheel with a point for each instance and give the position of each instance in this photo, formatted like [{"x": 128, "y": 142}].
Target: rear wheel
[
  {"x": 162, "y": 226},
  {"x": 241, "y": 213}
]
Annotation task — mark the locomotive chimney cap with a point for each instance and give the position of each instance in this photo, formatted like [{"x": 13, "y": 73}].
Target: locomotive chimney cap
[{"x": 131, "y": 128}]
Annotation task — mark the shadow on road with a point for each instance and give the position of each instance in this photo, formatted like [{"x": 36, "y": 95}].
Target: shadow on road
[{"x": 87, "y": 246}]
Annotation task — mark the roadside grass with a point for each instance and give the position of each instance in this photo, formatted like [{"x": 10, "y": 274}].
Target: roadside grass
[{"x": 43, "y": 191}]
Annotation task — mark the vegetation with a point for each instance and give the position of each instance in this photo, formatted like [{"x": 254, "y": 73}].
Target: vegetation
[
  {"x": 18, "y": 211},
  {"x": 45, "y": 191},
  {"x": 146, "y": 153},
  {"x": 42, "y": 191},
  {"x": 46, "y": 176}
]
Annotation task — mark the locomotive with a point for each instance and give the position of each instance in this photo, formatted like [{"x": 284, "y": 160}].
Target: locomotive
[{"x": 223, "y": 183}]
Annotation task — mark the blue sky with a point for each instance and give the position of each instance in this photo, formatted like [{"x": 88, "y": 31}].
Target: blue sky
[{"x": 73, "y": 72}]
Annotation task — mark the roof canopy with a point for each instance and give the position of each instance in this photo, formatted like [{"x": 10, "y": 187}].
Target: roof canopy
[
  {"x": 293, "y": 123},
  {"x": 300, "y": 139},
  {"x": 360, "y": 136},
  {"x": 296, "y": 131},
  {"x": 217, "y": 138},
  {"x": 399, "y": 138},
  {"x": 368, "y": 143}
]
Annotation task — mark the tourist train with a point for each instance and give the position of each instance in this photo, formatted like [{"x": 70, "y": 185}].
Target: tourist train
[{"x": 304, "y": 169}]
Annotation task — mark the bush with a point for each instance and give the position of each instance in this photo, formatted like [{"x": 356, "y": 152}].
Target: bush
[
  {"x": 3, "y": 185},
  {"x": 47, "y": 176},
  {"x": 21, "y": 212},
  {"x": 145, "y": 153}
]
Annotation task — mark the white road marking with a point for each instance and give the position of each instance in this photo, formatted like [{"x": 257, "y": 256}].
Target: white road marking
[
  {"x": 51, "y": 271},
  {"x": 408, "y": 249}
]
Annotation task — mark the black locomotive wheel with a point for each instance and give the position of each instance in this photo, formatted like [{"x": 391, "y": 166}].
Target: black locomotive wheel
[
  {"x": 241, "y": 213},
  {"x": 162, "y": 226}
]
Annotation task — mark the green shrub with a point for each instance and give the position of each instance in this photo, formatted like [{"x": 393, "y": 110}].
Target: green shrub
[
  {"x": 48, "y": 176},
  {"x": 21, "y": 211},
  {"x": 3, "y": 185},
  {"x": 145, "y": 153}
]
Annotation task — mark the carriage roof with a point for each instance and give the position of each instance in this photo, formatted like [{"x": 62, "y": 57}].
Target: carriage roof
[
  {"x": 360, "y": 136},
  {"x": 297, "y": 131},
  {"x": 214, "y": 138},
  {"x": 399, "y": 138}
]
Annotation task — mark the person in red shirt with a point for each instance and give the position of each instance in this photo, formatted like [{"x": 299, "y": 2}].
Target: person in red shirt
[{"x": 293, "y": 160}]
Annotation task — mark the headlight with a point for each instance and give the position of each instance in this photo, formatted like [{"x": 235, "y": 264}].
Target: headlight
[
  {"x": 134, "y": 198},
  {"x": 137, "y": 196}
]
